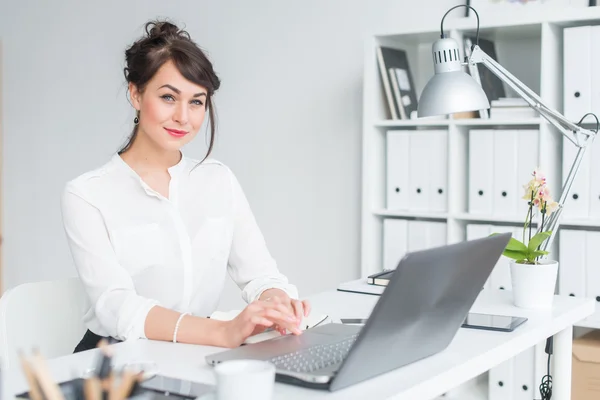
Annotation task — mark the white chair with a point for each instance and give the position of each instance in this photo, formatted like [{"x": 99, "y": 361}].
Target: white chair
[{"x": 43, "y": 315}]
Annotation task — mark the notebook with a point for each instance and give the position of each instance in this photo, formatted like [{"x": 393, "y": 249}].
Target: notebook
[
  {"x": 307, "y": 323},
  {"x": 360, "y": 286},
  {"x": 380, "y": 278}
]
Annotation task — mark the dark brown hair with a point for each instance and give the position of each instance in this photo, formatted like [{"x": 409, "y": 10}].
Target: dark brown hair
[{"x": 164, "y": 42}]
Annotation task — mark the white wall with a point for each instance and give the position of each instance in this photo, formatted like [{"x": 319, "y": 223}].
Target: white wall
[{"x": 289, "y": 117}]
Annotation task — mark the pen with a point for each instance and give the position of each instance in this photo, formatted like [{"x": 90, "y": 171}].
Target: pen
[{"x": 353, "y": 320}]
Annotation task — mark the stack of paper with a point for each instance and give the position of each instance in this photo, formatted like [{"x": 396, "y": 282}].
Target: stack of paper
[{"x": 511, "y": 108}]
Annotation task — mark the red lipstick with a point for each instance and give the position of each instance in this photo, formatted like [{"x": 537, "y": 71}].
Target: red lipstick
[{"x": 176, "y": 132}]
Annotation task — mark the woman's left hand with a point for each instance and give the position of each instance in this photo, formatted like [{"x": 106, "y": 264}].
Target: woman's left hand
[{"x": 300, "y": 308}]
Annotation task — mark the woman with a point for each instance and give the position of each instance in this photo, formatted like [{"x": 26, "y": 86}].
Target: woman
[{"x": 152, "y": 232}]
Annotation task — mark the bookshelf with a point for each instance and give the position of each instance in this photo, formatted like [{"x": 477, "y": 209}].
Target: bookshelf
[
  {"x": 529, "y": 45},
  {"x": 1, "y": 162}
]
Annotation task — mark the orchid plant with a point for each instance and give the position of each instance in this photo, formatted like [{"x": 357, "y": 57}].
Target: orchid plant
[{"x": 538, "y": 197}]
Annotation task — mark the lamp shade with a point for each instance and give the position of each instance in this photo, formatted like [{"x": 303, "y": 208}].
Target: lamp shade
[{"x": 450, "y": 90}]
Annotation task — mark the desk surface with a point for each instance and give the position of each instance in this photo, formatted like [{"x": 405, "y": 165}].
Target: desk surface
[{"x": 471, "y": 353}]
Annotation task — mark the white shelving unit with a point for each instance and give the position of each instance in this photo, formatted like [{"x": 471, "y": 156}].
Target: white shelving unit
[{"x": 529, "y": 45}]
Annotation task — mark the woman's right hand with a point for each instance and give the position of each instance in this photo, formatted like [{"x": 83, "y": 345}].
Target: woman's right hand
[{"x": 255, "y": 318}]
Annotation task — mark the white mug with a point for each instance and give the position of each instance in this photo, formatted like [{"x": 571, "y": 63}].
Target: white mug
[{"x": 245, "y": 379}]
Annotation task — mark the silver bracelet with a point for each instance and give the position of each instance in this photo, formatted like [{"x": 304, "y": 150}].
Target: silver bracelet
[{"x": 177, "y": 325}]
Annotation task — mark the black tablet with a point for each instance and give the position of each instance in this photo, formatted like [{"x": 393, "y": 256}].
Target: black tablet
[{"x": 503, "y": 323}]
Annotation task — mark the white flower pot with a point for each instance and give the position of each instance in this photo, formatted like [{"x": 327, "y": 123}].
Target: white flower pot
[{"x": 533, "y": 286}]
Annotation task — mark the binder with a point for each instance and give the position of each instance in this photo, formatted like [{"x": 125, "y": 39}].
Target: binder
[
  {"x": 524, "y": 386},
  {"x": 592, "y": 271},
  {"x": 577, "y": 203},
  {"x": 481, "y": 165},
  {"x": 571, "y": 267},
  {"x": 500, "y": 277},
  {"x": 420, "y": 165},
  {"x": 500, "y": 380},
  {"x": 397, "y": 169},
  {"x": 395, "y": 234},
  {"x": 395, "y": 86},
  {"x": 418, "y": 235},
  {"x": 385, "y": 80},
  {"x": 577, "y": 67},
  {"x": 594, "y": 155},
  {"x": 437, "y": 234},
  {"x": 479, "y": 231},
  {"x": 438, "y": 170},
  {"x": 505, "y": 173},
  {"x": 394, "y": 63},
  {"x": 595, "y": 76},
  {"x": 527, "y": 159}
]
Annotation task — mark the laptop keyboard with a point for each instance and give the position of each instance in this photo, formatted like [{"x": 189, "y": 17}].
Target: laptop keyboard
[{"x": 314, "y": 358}]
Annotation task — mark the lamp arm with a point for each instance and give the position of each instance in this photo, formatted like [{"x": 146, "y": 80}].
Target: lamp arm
[
  {"x": 568, "y": 129},
  {"x": 553, "y": 220}
]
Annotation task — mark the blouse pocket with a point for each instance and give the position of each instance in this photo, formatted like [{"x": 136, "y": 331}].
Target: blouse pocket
[{"x": 139, "y": 247}]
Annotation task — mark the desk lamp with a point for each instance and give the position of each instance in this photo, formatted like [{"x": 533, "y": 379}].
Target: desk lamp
[{"x": 451, "y": 90}]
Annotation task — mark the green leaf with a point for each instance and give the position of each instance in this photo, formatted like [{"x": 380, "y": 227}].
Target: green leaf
[
  {"x": 539, "y": 253},
  {"x": 515, "y": 255},
  {"x": 516, "y": 245},
  {"x": 538, "y": 239}
]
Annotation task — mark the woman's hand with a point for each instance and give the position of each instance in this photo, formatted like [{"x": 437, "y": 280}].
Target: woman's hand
[
  {"x": 298, "y": 308},
  {"x": 255, "y": 318}
]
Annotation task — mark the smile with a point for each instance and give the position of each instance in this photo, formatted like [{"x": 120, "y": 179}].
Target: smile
[{"x": 176, "y": 132}]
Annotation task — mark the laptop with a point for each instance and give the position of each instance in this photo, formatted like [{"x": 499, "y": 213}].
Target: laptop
[{"x": 417, "y": 315}]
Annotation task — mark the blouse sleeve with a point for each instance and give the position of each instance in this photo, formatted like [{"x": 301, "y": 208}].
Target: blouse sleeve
[
  {"x": 251, "y": 265},
  {"x": 120, "y": 310}
]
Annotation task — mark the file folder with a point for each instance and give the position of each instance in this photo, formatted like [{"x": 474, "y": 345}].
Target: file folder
[
  {"x": 595, "y": 75},
  {"x": 418, "y": 235},
  {"x": 395, "y": 236},
  {"x": 592, "y": 271},
  {"x": 594, "y": 199},
  {"x": 438, "y": 170},
  {"x": 572, "y": 262},
  {"x": 577, "y": 67},
  {"x": 500, "y": 380},
  {"x": 577, "y": 205},
  {"x": 505, "y": 184},
  {"x": 500, "y": 277},
  {"x": 420, "y": 165},
  {"x": 481, "y": 166},
  {"x": 524, "y": 387},
  {"x": 478, "y": 231},
  {"x": 528, "y": 150},
  {"x": 397, "y": 169}
]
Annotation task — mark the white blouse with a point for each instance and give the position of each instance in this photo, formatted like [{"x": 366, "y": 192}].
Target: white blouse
[{"x": 133, "y": 248}]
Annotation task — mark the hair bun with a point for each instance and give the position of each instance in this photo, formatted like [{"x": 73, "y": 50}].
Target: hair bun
[{"x": 155, "y": 29}]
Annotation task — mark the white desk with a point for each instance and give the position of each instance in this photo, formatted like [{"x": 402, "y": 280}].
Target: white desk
[{"x": 471, "y": 353}]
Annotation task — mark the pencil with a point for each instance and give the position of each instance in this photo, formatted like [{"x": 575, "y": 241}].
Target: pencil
[
  {"x": 127, "y": 381},
  {"x": 50, "y": 389},
  {"x": 92, "y": 389},
  {"x": 34, "y": 389}
]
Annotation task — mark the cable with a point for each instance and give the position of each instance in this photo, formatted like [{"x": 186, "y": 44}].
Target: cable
[
  {"x": 546, "y": 385},
  {"x": 593, "y": 115},
  {"x": 468, "y": 7}
]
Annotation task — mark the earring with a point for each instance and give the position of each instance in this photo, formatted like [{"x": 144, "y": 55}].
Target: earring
[{"x": 136, "y": 120}]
